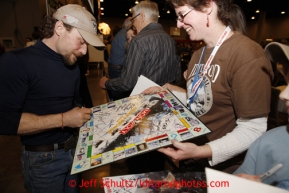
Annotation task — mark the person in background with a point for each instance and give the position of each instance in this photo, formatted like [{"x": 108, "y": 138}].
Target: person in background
[
  {"x": 146, "y": 55},
  {"x": 116, "y": 59},
  {"x": 224, "y": 81},
  {"x": 35, "y": 36},
  {"x": 28, "y": 39},
  {"x": 41, "y": 100},
  {"x": 107, "y": 42},
  {"x": 271, "y": 148},
  {"x": 153, "y": 54},
  {"x": 130, "y": 33}
]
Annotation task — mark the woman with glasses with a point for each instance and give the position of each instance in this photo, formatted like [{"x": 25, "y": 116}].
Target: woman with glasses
[{"x": 228, "y": 85}]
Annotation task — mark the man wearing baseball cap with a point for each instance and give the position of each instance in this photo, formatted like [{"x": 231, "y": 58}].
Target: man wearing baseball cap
[
  {"x": 39, "y": 98},
  {"x": 271, "y": 149}
]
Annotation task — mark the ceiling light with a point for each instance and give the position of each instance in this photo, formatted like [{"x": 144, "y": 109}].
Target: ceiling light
[
  {"x": 249, "y": 0},
  {"x": 101, "y": 0},
  {"x": 257, "y": 11},
  {"x": 168, "y": 11},
  {"x": 126, "y": 14},
  {"x": 101, "y": 8},
  {"x": 102, "y": 13},
  {"x": 136, "y": 2},
  {"x": 253, "y": 17},
  {"x": 282, "y": 12}
]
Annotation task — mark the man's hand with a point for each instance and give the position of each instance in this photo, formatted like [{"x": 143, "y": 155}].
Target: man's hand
[
  {"x": 181, "y": 151},
  {"x": 152, "y": 90},
  {"x": 102, "y": 82},
  {"x": 31, "y": 123},
  {"x": 249, "y": 177},
  {"x": 76, "y": 117},
  {"x": 155, "y": 89}
]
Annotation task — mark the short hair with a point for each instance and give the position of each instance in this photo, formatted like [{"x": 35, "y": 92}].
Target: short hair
[{"x": 149, "y": 9}]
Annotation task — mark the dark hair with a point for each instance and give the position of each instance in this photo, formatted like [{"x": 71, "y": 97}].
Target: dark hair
[
  {"x": 47, "y": 27},
  {"x": 228, "y": 13}
]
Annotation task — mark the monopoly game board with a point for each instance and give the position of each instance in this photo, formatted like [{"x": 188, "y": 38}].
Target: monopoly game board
[{"x": 133, "y": 125}]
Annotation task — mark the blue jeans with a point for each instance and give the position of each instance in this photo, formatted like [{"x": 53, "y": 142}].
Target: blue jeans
[{"x": 48, "y": 172}]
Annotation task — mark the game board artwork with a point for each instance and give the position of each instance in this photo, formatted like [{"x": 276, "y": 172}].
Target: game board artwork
[{"x": 131, "y": 126}]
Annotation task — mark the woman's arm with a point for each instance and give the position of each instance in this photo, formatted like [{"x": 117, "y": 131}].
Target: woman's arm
[{"x": 237, "y": 141}]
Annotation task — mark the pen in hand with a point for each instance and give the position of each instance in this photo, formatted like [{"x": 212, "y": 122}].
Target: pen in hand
[{"x": 270, "y": 172}]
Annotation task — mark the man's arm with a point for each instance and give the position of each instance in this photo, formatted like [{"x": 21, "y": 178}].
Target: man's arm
[
  {"x": 31, "y": 123},
  {"x": 14, "y": 87},
  {"x": 130, "y": 72}
]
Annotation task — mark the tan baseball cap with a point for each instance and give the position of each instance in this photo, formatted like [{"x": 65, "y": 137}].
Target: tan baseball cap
[{"x": 78, "y": 17}]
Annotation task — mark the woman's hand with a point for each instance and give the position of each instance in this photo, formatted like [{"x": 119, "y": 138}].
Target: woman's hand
[{"x": 181, "y": 151}]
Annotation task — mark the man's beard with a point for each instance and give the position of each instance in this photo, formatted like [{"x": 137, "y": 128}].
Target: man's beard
[{"x": 68, "y": 61}]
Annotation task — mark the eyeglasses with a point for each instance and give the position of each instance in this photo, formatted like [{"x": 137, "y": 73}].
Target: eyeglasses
[
  {"x": 181, "y": 17},
  {"x": 132, "y": 19}
]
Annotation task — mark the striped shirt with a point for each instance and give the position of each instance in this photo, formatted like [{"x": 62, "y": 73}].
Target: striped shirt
[{"x": 153, "y": 54}]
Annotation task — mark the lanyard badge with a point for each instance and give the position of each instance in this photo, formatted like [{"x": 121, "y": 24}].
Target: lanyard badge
[{"x": 198, "y": 79}]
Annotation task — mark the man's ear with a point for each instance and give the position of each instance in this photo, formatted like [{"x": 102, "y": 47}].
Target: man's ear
[
  {"x": 58, "y": 27},
  {"x": 142, "y": 17}
]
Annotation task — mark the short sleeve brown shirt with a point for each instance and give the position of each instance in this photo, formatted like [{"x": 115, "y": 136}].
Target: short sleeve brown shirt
[{"x": 236, "y": 85}]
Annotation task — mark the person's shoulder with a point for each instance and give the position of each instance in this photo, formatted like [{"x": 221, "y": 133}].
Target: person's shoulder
[
  {"x": 241, "y": 45},
  {"x": 24, "y": 51},
  {"x": 120, "y": 37},
  {"x": 241, "y": 40},
  {"x": 274, "y": 136},
  {"x": 120, "y": 34},
  {"x": 15, "y": 52},
  {"x": 277, "y": 132},
  {"x": 21, "y": 55}
]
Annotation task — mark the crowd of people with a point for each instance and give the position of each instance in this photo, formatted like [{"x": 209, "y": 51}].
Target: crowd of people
[{"x": 225, "y": 76}]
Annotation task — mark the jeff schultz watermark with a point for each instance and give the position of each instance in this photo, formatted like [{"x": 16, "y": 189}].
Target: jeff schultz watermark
[{"x": 124, "y": 183}]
